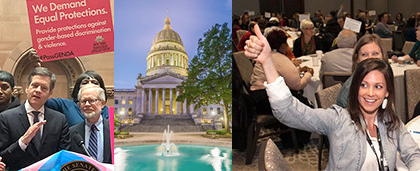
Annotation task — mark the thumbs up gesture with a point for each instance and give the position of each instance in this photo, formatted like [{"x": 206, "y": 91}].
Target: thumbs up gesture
[
  {"x": 2, "y": 165},
  {"x": 257, "y": 47}
]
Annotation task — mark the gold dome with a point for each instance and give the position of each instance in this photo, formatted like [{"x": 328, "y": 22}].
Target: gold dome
[
  {"x": 167, "y": 53},
  {"x": 167, "y": 34}
]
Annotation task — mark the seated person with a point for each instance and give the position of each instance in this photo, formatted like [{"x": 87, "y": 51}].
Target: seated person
[
  {"x": 339, "y": 60},
  {"x": 382, "y": 28},
  {"x": 307, "y": 43},
  {"x": 69, "y": 107},
  {"x": 7, "y": 84},
  {"x": 414, "y": 54},
  {"x": 369, "y": 46}
]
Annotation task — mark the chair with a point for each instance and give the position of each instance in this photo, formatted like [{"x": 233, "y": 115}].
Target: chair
[
  {"x": 326, "y": 98},
  {"x": 387, "y": 43},
  {"x": 270, "y": 158},
  {"x": 245, "y": 68},
  {"x": 331, "y": 78},
  {"x": 234, "y": 48},
  {"x": 398, "y": 40},
  {"x": 412, "y": 93},
  {"x": 240, "y": 33},
  {"x": 407, "y": 47}
]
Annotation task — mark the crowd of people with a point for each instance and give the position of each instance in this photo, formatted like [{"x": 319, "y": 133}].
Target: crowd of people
[
  {"x": 366, "y": 99},
  {"x": 42, "y": 125}
]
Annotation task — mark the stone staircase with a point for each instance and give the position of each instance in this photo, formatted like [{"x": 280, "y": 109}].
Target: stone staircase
[{"x": 159, "y": 125}]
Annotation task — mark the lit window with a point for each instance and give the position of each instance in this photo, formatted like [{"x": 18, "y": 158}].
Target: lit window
[
  {"x": 130, "y": 112},
  {"x": 204, "y": 111},
  {"x": 123, "y": 101},
  {"x": 130, "y": 101}
]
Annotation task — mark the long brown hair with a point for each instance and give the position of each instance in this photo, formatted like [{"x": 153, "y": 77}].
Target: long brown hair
[
  {"x": 366, "y": 39},
  {"x": 391, "y": 119}
]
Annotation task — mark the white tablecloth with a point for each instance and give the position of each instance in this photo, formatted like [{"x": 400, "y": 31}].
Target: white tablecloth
[
  {"x": 400, "y": 96},
  {"x": 414, "y": 128},
  {"x": 315, "y": 85}
]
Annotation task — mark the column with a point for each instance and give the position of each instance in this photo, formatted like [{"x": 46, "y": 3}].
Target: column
[
  {"x": 177, "y": 103},
  {"x": 192, "y": 108},
  {"x": 150, "y": 101},
  {"x": 157, "y": 101},
  {"x": 170, "y": 95},
  {"x": 163, "y": 101},
  {"x": 185, "y": 106},
  {"x": 142, "y": 100}
]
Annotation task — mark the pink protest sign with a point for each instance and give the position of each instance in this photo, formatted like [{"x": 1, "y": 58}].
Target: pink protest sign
[{"x": 70, "y": 28}]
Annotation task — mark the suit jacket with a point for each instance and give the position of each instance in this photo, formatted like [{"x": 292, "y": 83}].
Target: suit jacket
[
  {"x": 13, "y": 125},
  {"x": 80, "y": 129},
  {"x": 338, "y": 60}
]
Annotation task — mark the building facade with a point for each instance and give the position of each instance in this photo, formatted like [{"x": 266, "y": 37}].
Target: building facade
[{"x": 155, "y": 94}]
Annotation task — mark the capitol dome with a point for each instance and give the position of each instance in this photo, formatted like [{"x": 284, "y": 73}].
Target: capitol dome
[{"x": 167, "y": 53}]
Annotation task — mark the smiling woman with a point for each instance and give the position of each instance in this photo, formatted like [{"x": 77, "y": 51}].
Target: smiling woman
[{"x": 366, "y": 135}]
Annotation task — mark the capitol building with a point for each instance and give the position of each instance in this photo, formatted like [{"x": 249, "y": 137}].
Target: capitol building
[{"x": 155, "y": 94}]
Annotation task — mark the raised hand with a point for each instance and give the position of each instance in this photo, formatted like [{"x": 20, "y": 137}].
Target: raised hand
[
  {"x": 257, "y": 47},
  {"x": 2, "y": 165},
  {"x": 30, "y": 133}
]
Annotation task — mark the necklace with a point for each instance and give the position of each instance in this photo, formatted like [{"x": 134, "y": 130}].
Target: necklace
[{"x": 381, "y": 161}]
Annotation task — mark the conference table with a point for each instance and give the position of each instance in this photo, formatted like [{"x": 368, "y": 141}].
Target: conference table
[
  {"x": 414, "y": 128},
  {"x": 400, "y": 97}
]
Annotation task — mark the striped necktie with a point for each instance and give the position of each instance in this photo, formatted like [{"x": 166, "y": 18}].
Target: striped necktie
[
  {"x": 37, "y": 138},
  {"x": 93, "y": 142}
]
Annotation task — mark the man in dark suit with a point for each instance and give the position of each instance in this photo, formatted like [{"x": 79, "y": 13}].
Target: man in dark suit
[
  {"x": 95, "y": 130},
  {"x": 7, "y": 84},
  {"x": 31, "y": 131}
]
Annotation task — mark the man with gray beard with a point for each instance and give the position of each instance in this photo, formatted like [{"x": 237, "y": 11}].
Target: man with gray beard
[{"x": 95, "y": 129}]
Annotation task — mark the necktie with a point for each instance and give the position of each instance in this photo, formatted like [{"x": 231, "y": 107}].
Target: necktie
[
  {"x": 37, "y": 138},
  {"x": 93, "y": 142}
]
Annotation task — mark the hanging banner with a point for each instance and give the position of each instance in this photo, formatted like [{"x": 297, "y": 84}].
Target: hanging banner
[{"x": 70, "y": 28}]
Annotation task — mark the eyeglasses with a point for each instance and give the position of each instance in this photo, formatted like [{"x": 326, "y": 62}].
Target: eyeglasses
[{"x": 91, "y": 101}]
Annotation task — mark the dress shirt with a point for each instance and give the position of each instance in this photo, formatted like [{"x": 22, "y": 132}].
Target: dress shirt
[
  {"x": 29, "y": 110},
  {"x": 99, "y": 133}
]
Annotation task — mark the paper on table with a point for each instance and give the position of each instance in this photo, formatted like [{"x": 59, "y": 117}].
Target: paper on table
[{"x": 414, "y": 130}]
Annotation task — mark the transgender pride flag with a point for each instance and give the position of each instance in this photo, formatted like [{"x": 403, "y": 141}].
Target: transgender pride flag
[{"x": 63, "y": 157}]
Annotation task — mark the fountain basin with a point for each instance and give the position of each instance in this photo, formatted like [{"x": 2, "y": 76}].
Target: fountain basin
[{"x": 191, "y": 157}]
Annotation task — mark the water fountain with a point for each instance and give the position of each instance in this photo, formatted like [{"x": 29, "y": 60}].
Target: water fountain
[
  {"x": 167, "y": 148},
  {"x": 218, "y": 162}
]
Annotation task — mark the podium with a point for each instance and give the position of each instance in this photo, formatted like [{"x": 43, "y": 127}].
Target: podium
[{"x": 66, "y": 161}]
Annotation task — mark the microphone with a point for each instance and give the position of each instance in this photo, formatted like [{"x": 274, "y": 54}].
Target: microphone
[{"x": 79, "y": 141}]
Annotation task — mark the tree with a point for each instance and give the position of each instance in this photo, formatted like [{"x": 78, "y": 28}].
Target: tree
[{"x": 210, "y": 72}]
